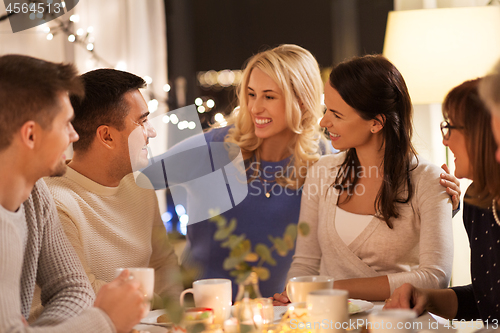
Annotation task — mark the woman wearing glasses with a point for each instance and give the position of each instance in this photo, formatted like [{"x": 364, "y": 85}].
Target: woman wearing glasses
[
  {"x": 467, "y": 132},
  {"x": 377, "y": 214}
]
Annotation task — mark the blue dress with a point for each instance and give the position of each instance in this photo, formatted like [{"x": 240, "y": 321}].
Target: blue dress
[{"x": 258, "y": 216}]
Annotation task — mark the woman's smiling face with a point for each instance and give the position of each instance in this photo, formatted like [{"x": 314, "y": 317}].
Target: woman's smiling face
[
  {"x": 456, "y": 143},
  {"x": 346, "y": 127},
  {"x": 267, "y": 106}
]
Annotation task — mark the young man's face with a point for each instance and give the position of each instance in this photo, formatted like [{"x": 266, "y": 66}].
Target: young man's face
[
  {"x": 137, "y": 132},
  {"x": 55, "y": 139}
]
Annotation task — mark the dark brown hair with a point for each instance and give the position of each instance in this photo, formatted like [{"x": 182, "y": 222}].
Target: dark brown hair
[
  {"x": 373, "y": 86},
  {"x": 29, "y": 90},
  {"x": 103, "y": 103},
  {"x": 463, "y": 107}
]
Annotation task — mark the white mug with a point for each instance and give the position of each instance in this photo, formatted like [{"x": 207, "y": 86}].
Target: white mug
[
  {"x": 146, "y": 277},
  {"x": 329, "y": 308},
  {"x": 299, "y": 287},
  {"x": 214, "y": 294},
  {"x": 392, "y": 321}
]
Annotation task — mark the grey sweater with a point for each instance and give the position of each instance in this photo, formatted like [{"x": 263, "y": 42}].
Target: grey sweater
[
  {"x": 418, "y": 250},
  {"x": 34, "y": 249}
]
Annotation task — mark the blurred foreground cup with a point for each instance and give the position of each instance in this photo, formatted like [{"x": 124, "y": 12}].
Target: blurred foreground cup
[
  {"x": 392, "y": 321},
  {"x": 214, "y": 294},
  {"x": 328, "y": 310},
  {"x": 299, "y": 287}
]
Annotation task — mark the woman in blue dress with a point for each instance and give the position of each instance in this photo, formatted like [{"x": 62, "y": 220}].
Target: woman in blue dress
[{"x": 276, "y": 128}]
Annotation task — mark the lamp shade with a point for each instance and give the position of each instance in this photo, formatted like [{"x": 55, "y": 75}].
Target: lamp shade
[{"x": 437, "y": 49}]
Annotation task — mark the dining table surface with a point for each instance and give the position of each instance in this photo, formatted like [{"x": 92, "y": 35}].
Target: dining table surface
[{"x": 430, "y": 323}]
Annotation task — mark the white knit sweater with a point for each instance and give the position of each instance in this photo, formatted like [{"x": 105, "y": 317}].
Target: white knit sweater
[
  {"x": 33, "y": 247},
  {"x": 418, "y": 250},
  {"x": 112, "y": 227}
]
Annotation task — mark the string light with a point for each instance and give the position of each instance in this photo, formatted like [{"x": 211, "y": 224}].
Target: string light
[
  {"x": 210, "y": 103},
  {"x": 224, "y": 78},
  {"x": 153, "y": 105},
  {"x": 88, "y": 42},
  {"x": 219, "y": 117},
  {"x": 174, "y": 119},
  {"x": 198, "y": 101},
  {"x": 121, "y": 66},
  {"x": 183, "y": 125},
  {"x": 182, "y": 226}
]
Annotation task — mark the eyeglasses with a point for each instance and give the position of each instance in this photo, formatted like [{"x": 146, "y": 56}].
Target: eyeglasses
[{"x": 446, "y": 129}]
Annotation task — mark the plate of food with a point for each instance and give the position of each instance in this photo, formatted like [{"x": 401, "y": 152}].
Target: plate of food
[
  {"x": 157, "y": 317},
  {"x": 358, "y": 305}
]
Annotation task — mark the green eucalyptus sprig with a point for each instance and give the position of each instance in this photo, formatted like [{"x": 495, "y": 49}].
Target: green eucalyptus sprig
[{"x": 242, "y": 256}]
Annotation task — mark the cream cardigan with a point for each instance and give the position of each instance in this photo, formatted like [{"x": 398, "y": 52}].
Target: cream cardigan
[{"x": 418, "y": 250}]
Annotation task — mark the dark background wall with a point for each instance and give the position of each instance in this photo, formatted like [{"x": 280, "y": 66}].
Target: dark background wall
[
  {"x": 228, "y": 31},
  {"x": 207, "y": 35}
]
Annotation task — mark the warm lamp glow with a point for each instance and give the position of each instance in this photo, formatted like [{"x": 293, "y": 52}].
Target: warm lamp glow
[{"x": 437, "y": 49}]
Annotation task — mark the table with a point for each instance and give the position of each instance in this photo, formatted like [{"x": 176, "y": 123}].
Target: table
[{"x": 427, "y": 322}]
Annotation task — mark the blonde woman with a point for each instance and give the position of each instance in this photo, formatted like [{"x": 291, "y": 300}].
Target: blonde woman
[{"x": 277, "y": 131}]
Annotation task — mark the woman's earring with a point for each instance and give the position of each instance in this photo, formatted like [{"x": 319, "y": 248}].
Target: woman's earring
[{"x": 373, "y": 130}]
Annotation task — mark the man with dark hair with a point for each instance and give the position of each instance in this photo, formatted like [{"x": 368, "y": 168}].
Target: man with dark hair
[
  {"x": 111, "y": 221},
  {"x": 35, "y": 130}
]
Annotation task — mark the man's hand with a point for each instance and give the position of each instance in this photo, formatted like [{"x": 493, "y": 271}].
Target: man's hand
[{"x": 122, "y": 301}]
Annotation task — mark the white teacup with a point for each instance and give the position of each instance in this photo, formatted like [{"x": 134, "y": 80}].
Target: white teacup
[
  {"x": 329, "y": 308},
  {"x": 392, "y": 321},
  {"x": 299, "y": 287},
  {"x": 146, "y": 277},
  {"x": 214, "y": 294}
]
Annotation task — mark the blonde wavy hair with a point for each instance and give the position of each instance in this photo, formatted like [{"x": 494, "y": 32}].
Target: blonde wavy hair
[{"x": 296, "y": 72}]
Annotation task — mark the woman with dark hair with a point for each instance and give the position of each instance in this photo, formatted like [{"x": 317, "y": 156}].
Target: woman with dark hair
[
  {"x": 467, "y": 132},
  {"x": 377, "y": 214}
]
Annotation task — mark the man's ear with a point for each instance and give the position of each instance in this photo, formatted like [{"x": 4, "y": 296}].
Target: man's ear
[
  {"x": 105, "y": 136},
  {"x": 29, "y": 133}
]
